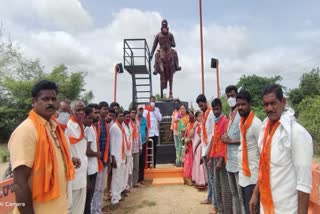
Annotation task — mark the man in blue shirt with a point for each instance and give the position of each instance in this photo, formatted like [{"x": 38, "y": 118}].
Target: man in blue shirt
[{"x": 144, "y": 137}]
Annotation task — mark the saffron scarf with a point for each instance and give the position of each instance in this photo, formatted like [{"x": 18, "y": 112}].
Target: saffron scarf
[
  {"x": 123, "y": 140},
  {"x": 107, "y": 145},
  {"x": 149, "y": 109},
  {"x": 45, "y": 184},
  {"x": 134, "y": 130},
  {"x": 75, "y": 140},
  {"x": 174, "y": 125},
  {"x": 217, "y": 146},
  {"x": 244, "y": 126},
  {"x": 264, "y": 168},
  {"x": 203, "y": 126},
  {"x": 100, "y": 165}
]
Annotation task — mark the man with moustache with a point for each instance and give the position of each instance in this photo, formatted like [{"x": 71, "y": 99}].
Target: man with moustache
[
  {"x": 248, "y": 155},
  {"x": 174, "y": 125},
  {"x": 285, "y": 167},
  {"x": 144, "y": 138},
  {"x": 30, "y": 145},
  {"x": 78, "y": 148},
  {"x": 103, "y": 138},
  {"x": 207, "y": 130}
]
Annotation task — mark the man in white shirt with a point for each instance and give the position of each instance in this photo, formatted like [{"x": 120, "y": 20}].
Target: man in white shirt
[
  {"x": 153, "y": 116},
  {"x": 93, "y": 156},
  {"x": 78, "y": 148},
  {"x": 118, "y": 156},
  {"x": 127, "y": 182},
  {"x": 285, "y": 168},
  {"x": 232, "y": 139},
  {"x": 207, "y": 129},
  {"x": 136, "y": 145},
  {"x": 248, "y": 155}
]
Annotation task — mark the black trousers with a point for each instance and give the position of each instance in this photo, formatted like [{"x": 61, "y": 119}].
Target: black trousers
[
  {"x": 155, "y": 143},
  {"x": 91, "y": 182},
  {"x": 142, "y": 162},
  {"x": 247, "y": 193}
]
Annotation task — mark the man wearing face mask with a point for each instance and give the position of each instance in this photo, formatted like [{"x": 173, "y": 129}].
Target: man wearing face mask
[
  {"x": 153, "y": 116},
  {"x": 175, "y": 118},
  {"x": 78, "y": 148},
  {"x": 232, "y": 139},
  {"x": 63, "y": 116}
]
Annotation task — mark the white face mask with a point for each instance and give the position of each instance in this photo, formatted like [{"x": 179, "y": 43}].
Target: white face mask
[
  {"x": 63, "y": 118},
  {"x": 232, "y": 101},
  {"x": 152, "y": 104}
]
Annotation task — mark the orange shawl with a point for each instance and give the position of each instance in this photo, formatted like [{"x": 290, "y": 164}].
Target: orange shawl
[
  {"x": 218, "y": 148},
  {"x": 45, "y": 184},
  {"x": 244, "y": 126},
  {"x": 264, "y": 168},
  {"x": 149, "y": 109},
  {"x": 107, "y": 146},
  {"x": 124, "y": 140},
  {"x": 134, "y": 130},
  {"x": 174, "y": 125},
  {"x": 74, "y": 140},
  {"x": 203, "y": 126},
  {"x": 100, "y": 165}
]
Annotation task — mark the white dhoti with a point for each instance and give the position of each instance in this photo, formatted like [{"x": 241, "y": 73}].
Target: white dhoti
[
  {"x": 78, "y": 200},
  {"x": 97, "y": 199},
  {"x": 117, "y": 182},
  {"x": 130, "y": 170}
]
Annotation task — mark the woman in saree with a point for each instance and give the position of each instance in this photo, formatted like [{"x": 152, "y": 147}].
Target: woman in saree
[
  {"x": 199, "y": 175},
  {"x": 183, "y": 121},
  {"x": 188, "y": 159}
]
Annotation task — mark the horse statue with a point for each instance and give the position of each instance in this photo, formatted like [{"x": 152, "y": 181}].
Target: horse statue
[{"x": 166, "y": 58}]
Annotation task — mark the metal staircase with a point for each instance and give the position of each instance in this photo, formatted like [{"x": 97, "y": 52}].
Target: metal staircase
[{"x": 137, "y": 62}]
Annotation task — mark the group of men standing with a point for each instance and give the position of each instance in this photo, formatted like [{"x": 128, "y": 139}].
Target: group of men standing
[
  {"x": 250, "y": 162},
  {"x": 66, "y": 156}
]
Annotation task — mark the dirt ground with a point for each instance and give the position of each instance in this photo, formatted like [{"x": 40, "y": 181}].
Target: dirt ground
[{"x": 173, "y": 199}]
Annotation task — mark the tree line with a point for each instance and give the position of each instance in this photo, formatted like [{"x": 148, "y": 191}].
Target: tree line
[{"x": 18, "y": 74}]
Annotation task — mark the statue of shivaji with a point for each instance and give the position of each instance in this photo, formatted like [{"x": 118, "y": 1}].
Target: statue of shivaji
[{"x": 166, "y": 58}]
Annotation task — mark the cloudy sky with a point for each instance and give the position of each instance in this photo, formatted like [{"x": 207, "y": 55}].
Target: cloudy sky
[{"x": 266, "y": 37}]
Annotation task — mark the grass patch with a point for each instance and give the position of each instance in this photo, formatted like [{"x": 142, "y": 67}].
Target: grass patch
[{"x": 4, "y": 152}]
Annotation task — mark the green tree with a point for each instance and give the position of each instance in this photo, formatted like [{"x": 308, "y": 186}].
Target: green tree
[
  {"x": 309, "y": 117},
  {"x": 17, "y": 76},
  {"x": 309, "y": 86},
  {"x": 255, "y": 85}
]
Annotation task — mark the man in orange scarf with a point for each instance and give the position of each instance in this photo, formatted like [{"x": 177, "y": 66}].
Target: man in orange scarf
[
  {"x": 118, "y": 156},
  {"x": 136, "y": 145},
  {"x": 232, "y": 139},
  {"x": 153, "y": 116},
  {"x": 78, "y": 148},
  {"x": 207, "y": 129},
  {"x": 248, "y": 155},
  {"x": 285, "y": 168},
  {"x": 41, "y": 185},
  {"x": 217, "y": 161}
]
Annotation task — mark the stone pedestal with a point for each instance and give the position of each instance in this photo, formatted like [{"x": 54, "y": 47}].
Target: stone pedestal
[{"x": 166, "y": 150}]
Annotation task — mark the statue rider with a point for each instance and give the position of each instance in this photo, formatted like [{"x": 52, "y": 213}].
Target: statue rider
[{"x": 167, "y": 43}]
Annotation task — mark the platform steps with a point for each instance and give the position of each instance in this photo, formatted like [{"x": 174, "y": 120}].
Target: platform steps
[{"x": 165, "y": 176}]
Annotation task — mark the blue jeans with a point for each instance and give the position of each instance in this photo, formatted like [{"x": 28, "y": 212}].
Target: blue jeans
[{"x": 210, "y": 173}]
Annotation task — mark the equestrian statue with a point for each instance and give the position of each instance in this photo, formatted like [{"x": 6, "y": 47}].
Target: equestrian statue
[{"x": 166, "y": 58}]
